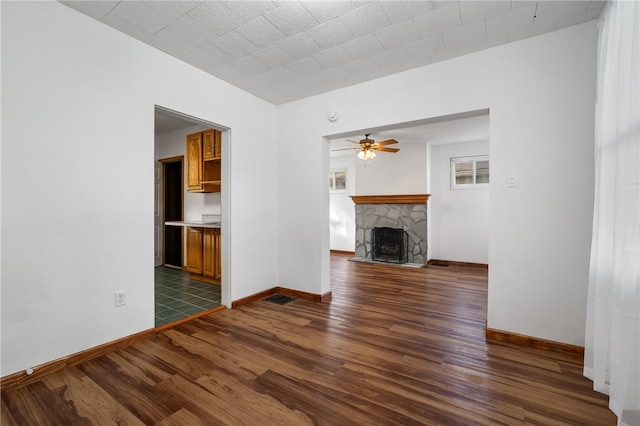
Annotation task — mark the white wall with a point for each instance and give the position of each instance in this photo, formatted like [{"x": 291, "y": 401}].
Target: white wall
[
  {"x": 78, "y": 103},
  {"x": 342, "y": 214},
  {"x": 404, "y": 172},
  {"x": 541, "y": 95},
  {"x": 459, "y": 217},
  {"x": 173, "y": 144}
]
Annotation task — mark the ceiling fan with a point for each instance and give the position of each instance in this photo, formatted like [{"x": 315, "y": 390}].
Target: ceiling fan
[{"x": 368, "y": 146}]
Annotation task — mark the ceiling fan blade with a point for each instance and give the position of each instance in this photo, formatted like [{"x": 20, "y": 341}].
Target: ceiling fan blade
[
  {"x": 344, "y": 149},
  {"x": 388, "y": 149},
  {"x": 387, "y": 142}
]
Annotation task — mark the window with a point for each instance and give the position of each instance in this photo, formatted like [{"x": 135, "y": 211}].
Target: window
[
  {"x": 469, "y": 172},
  {"x": 338, "y": 180}
]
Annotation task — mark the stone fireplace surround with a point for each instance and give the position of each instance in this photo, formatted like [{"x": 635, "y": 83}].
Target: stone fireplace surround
[{"x": 408, "y": 212}]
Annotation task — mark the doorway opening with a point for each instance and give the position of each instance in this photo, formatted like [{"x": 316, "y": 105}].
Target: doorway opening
[
  {"x": 173, "y": 210},
  {"x": 416, "y": 168},
  {"x": 178, "y": 295}
]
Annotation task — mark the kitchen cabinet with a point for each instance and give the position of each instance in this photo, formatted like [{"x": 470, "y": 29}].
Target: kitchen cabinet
[
  {"x": 212, "y": 140},
  {"x": 211, "y": 253},
  {"x": 203, "y": 252},
  {"x": 204, "y": 161},
  {"x": 194, "y": 250}
]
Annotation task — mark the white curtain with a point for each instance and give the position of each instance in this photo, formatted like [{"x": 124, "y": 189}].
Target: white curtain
[{"x": 612, "y": 348}]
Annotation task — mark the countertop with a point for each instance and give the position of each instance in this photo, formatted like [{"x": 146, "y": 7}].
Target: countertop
[{"x": 194, "y": 224}]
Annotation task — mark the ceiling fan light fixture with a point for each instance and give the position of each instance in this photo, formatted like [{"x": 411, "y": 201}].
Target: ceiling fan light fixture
[{"x": 366, "y": 154}]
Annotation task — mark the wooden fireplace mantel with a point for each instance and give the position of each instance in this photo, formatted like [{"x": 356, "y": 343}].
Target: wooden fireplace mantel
[{"x": 391, "y": 199}]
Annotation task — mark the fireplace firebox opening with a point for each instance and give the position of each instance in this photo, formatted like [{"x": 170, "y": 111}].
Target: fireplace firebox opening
[{"x": 389, "y": 245}]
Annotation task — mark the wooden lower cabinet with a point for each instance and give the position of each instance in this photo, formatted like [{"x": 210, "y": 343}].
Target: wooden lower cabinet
[
  {"x": 194, "y": 250},
  {"x": 203, "y": 252},
  {"x": 211, "y": 253}
]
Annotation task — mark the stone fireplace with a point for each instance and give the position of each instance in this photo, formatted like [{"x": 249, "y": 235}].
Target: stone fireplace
[{"x": 406, "y": 212}]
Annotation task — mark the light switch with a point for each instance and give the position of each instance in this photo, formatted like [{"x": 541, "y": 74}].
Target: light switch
[{"x": 512, "y": 180}]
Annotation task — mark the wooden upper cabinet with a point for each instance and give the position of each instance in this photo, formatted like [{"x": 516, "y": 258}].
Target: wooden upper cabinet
[
  {"x": 194, "y": 162},
  {"x": 204, "y": 165},
  {"x": 212, "y": 145}
]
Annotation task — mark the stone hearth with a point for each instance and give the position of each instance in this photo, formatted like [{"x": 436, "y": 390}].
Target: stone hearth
[{"x": 408, "y": 212}]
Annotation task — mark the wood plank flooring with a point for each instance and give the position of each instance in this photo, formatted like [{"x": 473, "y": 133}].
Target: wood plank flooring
[{"x": 394, "y": 346}]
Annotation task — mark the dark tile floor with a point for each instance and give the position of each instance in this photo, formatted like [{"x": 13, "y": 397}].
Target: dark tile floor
[{"x": 178, "y": 296}]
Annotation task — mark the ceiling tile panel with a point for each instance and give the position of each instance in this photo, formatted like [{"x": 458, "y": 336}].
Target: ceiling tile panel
[
  {"x": 305, "y": 66},
  {"x": 249, "y": 10},
  {"x": 299, "y": 46},
  {"x": 217, "y": 17},
  {"x": 399, "y": 11},
  {"x": 330, "y": 33},
  {"x": 280, "y": 74},
  {"x": 391, "y": 59},
  {"x": 266, "y": 92},
  {"x": 335, "y": 77},
  {"x": 191, "y": 30},
  {"x": 440, "y": 20},
  {"x": 575, "y": 20},
  {"x": 261, "y": 32},
  {"x": 556, "y": 10},
  {"x": 171, "y": 9},
  {"x": 419, "y": 61},
  {"x": 362, "y": 69},
  {"x": 398, "y": 35},
  {"x": 324, "y": 11},
  {"x": 170, "y": 43},
  {"x": 291, "y": 18},
  {"x": 249, "y": 66},
  {"x": 461, "y": 37},
  {"x": 95, "y": 9},
  {"x": 541, "y": 26},
  {"x": 365, "y": 19},
  {"x": 426, "y": 48},
  {"x": 507, "y": 23},
  {"x": 474, "y": 11},
  {"x": 125, "y": 26},
  {"x": 440, "y": 4},
  {"x": 308, "y": 85},
  {"x": 363, "y": 47},
  {"x": 235, "y": 44},
  {"x": 141, "y": 15},
  {"x": 273, "y": 56},
  {"x": 487, "y": 44},
  {"x": 332, "y": 57},
  {"x": 523, "y": 4},
  {"x": 230, "y": 74},
  {"x": 255, "y": 81},
  {"x": 208, "y": 57}
]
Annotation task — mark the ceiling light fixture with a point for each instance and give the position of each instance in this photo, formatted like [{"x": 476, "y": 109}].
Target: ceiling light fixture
[{"x": 366, "y": 154}]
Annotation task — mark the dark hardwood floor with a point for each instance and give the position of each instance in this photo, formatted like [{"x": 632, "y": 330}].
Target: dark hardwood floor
[{"x": 395, "y": 346}]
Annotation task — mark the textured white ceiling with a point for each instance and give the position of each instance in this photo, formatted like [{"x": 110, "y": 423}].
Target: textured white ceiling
[{"x": 286, "y": 50}]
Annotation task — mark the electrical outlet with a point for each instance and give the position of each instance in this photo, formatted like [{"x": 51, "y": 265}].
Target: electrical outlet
[{"x": 121, "y": 298}]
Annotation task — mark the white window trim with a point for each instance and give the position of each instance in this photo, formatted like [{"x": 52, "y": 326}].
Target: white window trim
[{"x": 466, "y": 159}]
